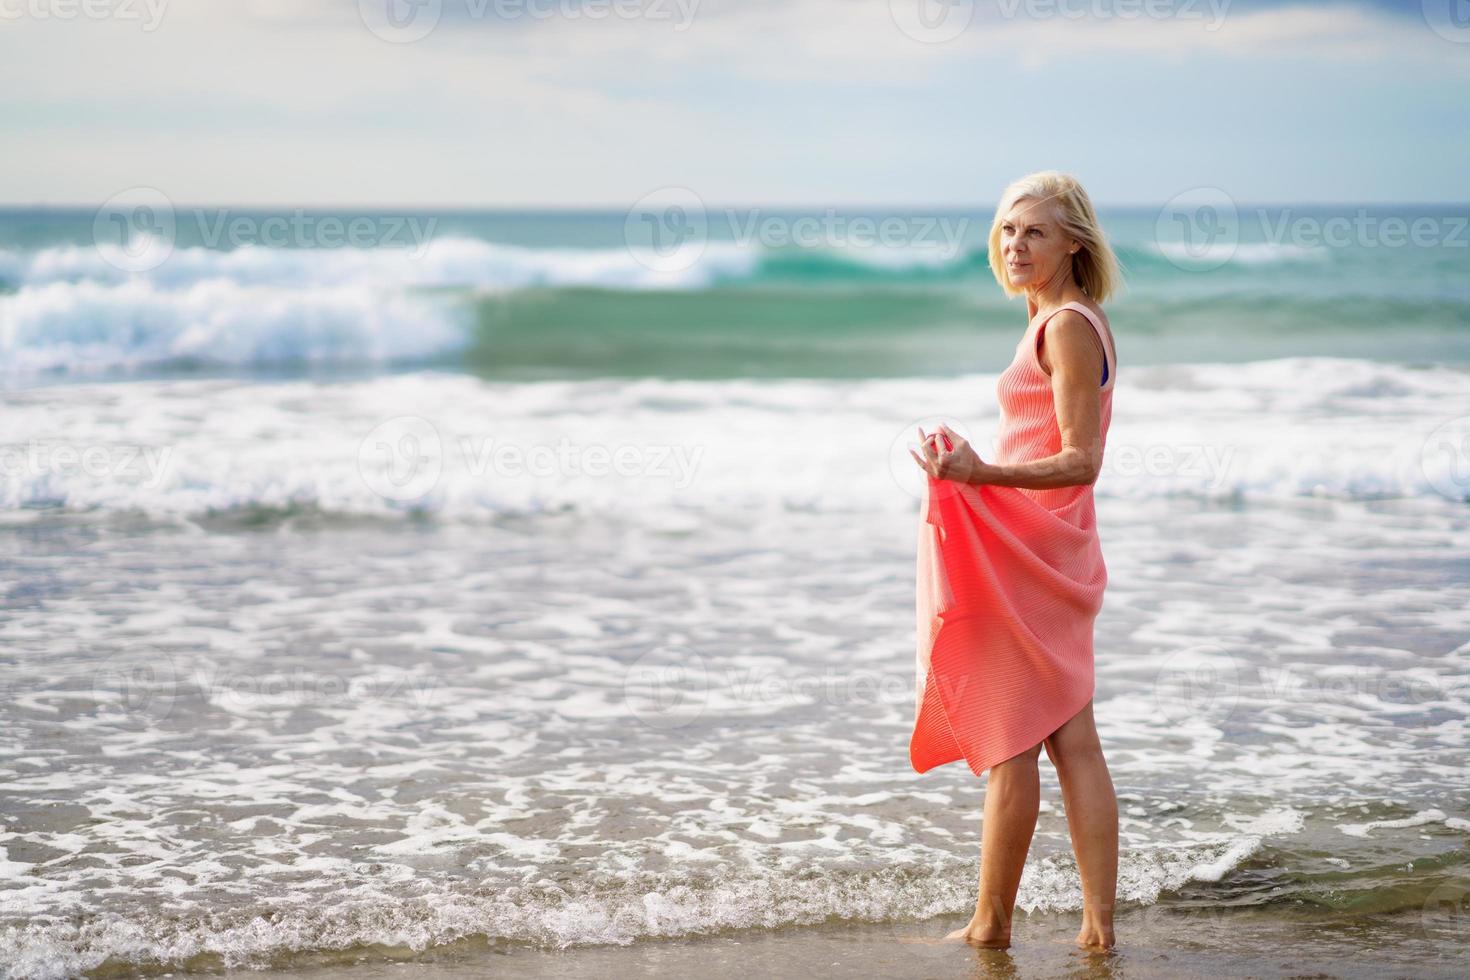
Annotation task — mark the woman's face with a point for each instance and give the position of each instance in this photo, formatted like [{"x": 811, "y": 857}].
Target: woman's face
[{"x": 1035, "y": 252}]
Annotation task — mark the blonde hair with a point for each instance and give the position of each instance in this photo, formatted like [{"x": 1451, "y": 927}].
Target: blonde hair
[{"x": 1094, "y": 265}]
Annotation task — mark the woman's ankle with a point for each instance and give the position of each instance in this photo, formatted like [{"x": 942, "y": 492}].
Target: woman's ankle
[{"x": 991, "y": 918}]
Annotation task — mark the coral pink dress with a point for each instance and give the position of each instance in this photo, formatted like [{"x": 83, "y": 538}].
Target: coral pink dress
[{"x": 1009, "y": 582}]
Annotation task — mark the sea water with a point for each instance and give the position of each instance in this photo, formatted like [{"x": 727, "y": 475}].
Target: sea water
[{"x": 505, "y": 589}]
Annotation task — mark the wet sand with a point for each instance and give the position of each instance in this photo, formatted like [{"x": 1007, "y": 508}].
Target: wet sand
[{"x": 1164, "y": 942}]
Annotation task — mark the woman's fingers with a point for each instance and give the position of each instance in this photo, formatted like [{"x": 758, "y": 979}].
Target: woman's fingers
[
  {"x": 926, "y": 446},
  {"x": 939, "y": 448}
]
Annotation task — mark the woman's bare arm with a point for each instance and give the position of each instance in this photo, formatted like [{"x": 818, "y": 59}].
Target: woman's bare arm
[{"x": 1073, "y": 352}]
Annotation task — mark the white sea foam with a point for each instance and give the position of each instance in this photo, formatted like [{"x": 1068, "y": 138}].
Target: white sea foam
[
  {"x": 374, "y": 903},
  {"x": 1418, "y": 819},
  {"x": 462, "y": 262},
  {"x": 1241, "y": 253},
  {"x": 90, "y": 326},
  {"x": 1337, "y": 428},
  {"x": 71, "y": 309},
  {"x": 579, "y": 732}
]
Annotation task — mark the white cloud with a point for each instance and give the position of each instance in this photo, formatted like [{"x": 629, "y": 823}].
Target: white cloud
[{"x": 297, "y": 100}]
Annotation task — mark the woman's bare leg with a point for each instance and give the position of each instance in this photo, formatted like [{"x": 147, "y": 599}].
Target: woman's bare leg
[
  {"x": 1092, "y": 819},
  {"x": 1012, "y": 801}
]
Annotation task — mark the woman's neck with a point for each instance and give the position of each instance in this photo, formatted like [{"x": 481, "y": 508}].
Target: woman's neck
[{"x": 1052, "y": 299}]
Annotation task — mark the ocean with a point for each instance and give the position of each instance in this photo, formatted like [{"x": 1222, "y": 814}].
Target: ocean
[{"x": 504, "y": 593}]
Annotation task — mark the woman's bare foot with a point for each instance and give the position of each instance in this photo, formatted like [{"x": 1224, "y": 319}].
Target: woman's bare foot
[
  {"x": 1096, "y": 939},
  {"x": 978, "y": 933}
]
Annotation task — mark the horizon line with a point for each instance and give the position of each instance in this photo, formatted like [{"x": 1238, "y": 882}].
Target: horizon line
[{"x": 613, "y": 209}]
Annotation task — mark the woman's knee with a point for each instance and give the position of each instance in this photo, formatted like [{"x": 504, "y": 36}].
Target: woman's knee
[
  {"x": 1074, "y": 753},
  {"x": 1028, "y": 757},
  {"x": 1078, "y": 737}
]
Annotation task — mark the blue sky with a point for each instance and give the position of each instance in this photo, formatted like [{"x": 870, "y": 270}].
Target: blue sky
[{"x": 537, "y": 103}]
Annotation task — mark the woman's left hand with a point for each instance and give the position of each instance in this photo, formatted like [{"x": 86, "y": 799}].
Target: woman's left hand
[{"x": 952, "y": 459}]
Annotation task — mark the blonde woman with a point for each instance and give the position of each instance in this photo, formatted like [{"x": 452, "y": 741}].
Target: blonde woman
[{"x": 1010, "y": 567}]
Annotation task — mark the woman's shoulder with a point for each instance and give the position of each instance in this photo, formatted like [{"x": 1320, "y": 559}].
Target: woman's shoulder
[
  {"x": 1089, "y": 307},
  {"x": 1088, "y": 312},
  {"x": 1072, "y": 322}
]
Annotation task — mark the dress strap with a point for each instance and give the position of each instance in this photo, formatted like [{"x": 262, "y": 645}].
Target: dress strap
[{"x": 1102, "y": 335}]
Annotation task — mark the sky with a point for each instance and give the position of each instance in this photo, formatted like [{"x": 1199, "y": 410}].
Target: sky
[{"x": 804, "y": 103}]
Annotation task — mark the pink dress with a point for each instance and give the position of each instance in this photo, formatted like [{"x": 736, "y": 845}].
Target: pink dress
[{"x": 1009, "y": 582}]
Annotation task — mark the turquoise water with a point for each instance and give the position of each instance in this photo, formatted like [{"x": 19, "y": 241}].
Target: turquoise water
[{"x": 563, "y": 295}]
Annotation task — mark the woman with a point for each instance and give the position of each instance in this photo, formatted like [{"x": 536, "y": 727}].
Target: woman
[{"x": 1010, "y": 568}]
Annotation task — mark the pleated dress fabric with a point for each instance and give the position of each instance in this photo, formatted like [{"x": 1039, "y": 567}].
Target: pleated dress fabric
[{"x": 1009, "y": 583}]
